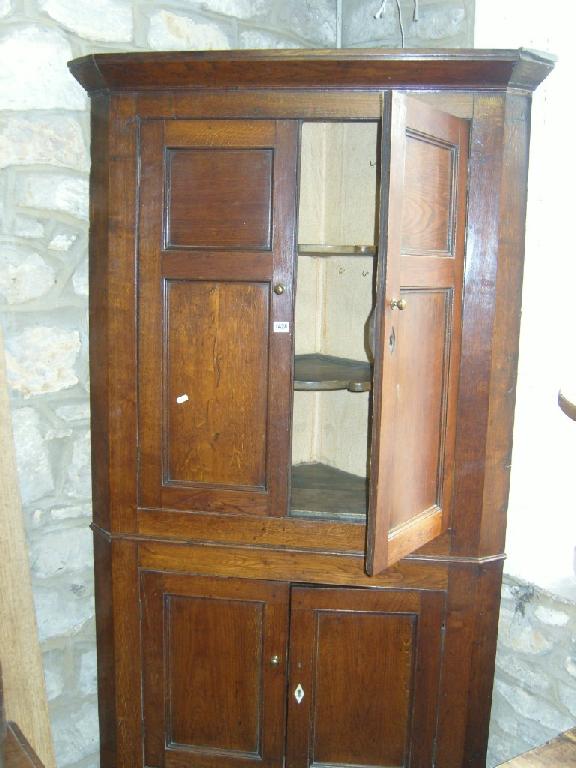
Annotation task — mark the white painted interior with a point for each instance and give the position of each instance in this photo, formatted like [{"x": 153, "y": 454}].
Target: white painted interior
[
  {"x": 542, "y": 511},
  {"x": 335, "y": 294}
]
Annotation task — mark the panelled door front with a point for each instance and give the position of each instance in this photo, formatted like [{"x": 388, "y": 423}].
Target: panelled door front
[
  {"x": 213, "y": 674},
  {"x": 364, "y": 676},
  {"x": 417, "y": 338},
  {"x": 216, "y": 233}
]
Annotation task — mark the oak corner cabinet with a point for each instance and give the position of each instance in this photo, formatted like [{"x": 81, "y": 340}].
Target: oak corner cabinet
[{"x": 305, "y": 273}]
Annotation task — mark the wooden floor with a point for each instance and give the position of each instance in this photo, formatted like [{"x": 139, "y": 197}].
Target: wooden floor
[{"x": 558, "y": 753}]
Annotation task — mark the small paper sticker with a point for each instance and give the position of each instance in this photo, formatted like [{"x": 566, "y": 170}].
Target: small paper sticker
[
  {"x": 182, "y": 399},
  {"x": 282, "y": 327}
]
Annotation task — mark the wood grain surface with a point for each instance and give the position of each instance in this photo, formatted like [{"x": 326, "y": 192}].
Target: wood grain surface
[{"x": 24, "y": 690}]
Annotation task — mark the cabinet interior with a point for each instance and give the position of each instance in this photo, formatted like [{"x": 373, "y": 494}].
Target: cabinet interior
[{"x": 337, "y": 226}]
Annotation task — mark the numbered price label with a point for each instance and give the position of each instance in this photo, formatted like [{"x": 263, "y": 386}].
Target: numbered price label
[{"x": 282, "y": 327}]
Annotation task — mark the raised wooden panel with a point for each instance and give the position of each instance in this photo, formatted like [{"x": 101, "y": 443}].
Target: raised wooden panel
[
  {"x": 212, "y": 699},
  {"x": 427, "y": 214},
  {"x": 417, "y": 327},
  {"x": 214, "y": 655},
  {"x": 355, "y": 655},
  {"x": 219, "y": 198},
  {"x": 422, "y": 339},
  {"x": 216, "y": 392},
  {"x": 364, "y": 665}
]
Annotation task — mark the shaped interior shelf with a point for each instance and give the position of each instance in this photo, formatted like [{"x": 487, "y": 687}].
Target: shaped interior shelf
[
  {"x": 320, "y": 491},
  {"x": 325, "y": 372},
  {"x": 315, "y": 249}
]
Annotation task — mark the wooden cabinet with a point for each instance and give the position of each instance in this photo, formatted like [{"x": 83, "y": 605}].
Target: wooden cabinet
[{"x": 305, "y": 290}]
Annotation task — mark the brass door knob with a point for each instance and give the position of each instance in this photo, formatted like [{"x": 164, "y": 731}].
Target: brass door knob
[
  {"x": 398, "y": 304},
  {"x": 279, "y": 289}
]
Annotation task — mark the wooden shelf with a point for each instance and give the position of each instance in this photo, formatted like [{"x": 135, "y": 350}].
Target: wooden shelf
[
  {"x": 317, "y": 249},
  {"x": 325, "y": 372},
  {"x": 320, "y": 491}
]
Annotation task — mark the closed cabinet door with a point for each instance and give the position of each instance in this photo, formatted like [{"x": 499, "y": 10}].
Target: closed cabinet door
[
  {"x": 364, "y": 675},
  {"x": 216, "y": 231},
  {"x": 214, "y": 665}
]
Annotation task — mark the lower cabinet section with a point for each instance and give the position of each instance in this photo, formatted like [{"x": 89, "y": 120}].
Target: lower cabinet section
[{"x": 243, "y": 672}]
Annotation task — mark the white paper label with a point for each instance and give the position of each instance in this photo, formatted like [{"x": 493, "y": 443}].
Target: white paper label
[{"x": 282, "y": 327}]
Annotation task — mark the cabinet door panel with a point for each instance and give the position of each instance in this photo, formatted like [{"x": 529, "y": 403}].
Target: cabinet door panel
[
  {"x": 211, "y": 695},
  {"x": 205, "y": 440},
  {"x": 368, "y": 700},
  {"x": 216, "y": 234},
  {"x": 417, "y": 327}
]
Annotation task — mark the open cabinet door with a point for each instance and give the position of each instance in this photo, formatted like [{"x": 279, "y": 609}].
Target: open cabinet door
[{"x": 424, "y": 158}]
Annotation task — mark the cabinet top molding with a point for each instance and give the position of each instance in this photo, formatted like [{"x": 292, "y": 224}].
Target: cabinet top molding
[{"x": 367, "y": 68}]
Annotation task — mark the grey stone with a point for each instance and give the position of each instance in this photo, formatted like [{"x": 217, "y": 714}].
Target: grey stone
[
  {"x": 33, "y": 72},
  {"x": 42, "y": 359},
  {"x": 54, "y": 673},
  {"x": 258, "y": 38},
  {"x": 40, "y": 139},
  {"x": 567, "y": 696},
  {"x": 170, "y": 30},
  {"x": 80, "y": 279},
  {"x": 240, "y": 9},
  {"x": 75, "y": 734},
  {"x": 534, "y": 678},
  {"x": 62, "y": 612},
  {"x": 106, "y": 20},
  {"x": 61, "y": 551},
  {"x": 76, "y": 511},
  {"x": 313, "y": 21},
  {"x": 24, "y": 275},
  {"x": 24, "y": 226},
  {"x": 551, "y": 616},
  {"x": 443, "y": 22},
  {"x": 570, "y": 665},
  {"x": 521, "y": 637},
  {"x": 78, "y": 476},
  {"x": 74, "y": 411},
  {"x": 54, "y": 192},
  {"x": 87, "y": 679},
  {"x": 62, "y": 241},
  {"x": 532, "y": 707},
  {"x": 34, "y": 471},
  {"x": 5, "y": 8}
]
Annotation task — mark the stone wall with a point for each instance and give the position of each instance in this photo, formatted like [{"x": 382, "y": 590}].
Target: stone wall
[
  {"x": 534, "y": 695},
  {"x": 44, "y": 164}
]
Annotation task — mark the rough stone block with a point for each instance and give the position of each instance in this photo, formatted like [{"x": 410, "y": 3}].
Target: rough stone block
[
  {"x": 60, "y": 552},
  {"x": 440, "y": 23},
  {"x": 551, "y": 616},
  {"x": 75, "y": 734},
  {"x": 314, "y": 22},
  {"x": 42, "y": 140},
  {"x": 173, "y": 31},
  {"x": 24, "y": 275},
  {"x": 87, "y": 673},
  {"x": 74, "y": 411},
  {"x": 78, "y": 477},
  {"x": 33, "y": 72},
  {"x": 62, "y": 610},
  {"x": 258, "y": 38},
  {"x": 32, "y": 461},
  {"x": 54, "y": 674},
  {"x": 54, "y": 192},
  {"x": 41, "y": 359},
  {"x": 532, "y": 707},
  {"x": 239, "y": 9},
  {"x": 106, "y": 20},
  {"x": 62, "y": 241},
  {"x": 80, "y": 279},
  {"x": 24, "y": 226},
  {"x": 521, "y": 637},
  {"x": 5, "y": 8}
]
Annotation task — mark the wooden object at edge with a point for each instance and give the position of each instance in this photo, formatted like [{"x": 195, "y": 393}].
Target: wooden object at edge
[{"x": 23, "y": 674}]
